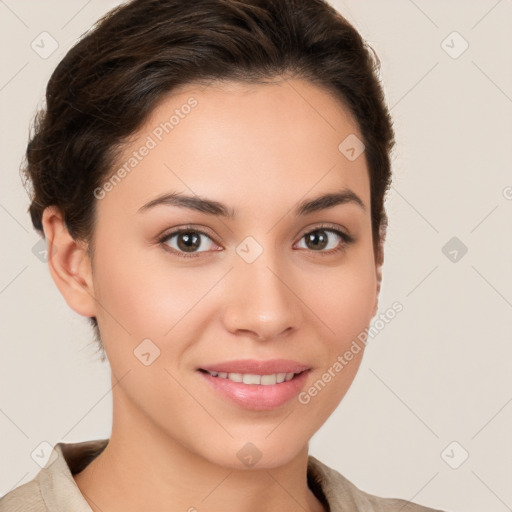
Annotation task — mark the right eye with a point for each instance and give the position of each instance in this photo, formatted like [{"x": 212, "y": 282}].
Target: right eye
[{"x": 188, "y": 242}]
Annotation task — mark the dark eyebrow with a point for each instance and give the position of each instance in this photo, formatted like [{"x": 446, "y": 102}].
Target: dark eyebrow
[
  {"x": 328, "y": 201},
  {"x": 211, "y": 207},
  {"x": 196, "y": 202}
]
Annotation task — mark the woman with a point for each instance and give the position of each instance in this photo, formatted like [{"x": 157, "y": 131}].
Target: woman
[{"x": 210, "y": 178}]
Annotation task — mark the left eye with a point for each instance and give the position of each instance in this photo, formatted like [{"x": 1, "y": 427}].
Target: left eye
[
  {"x": 189, "y": 241},
  {"x": 323, "y": 239}
]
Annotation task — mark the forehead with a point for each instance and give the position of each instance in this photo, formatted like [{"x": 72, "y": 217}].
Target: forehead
[{"x": 232, "y": 140}]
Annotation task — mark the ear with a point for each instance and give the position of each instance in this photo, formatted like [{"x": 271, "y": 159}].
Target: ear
[
  {"x": 378, "y": 272},
  {"x": 379, "y": 261},
  {"x": 69, "y": 264}
]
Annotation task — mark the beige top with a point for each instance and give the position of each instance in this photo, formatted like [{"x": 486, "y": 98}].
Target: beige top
[{"x": 54, "y": 489}]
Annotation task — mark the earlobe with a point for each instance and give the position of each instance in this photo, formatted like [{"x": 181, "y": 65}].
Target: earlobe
[
  {"x": 69, "y": 264},
  {"x": 378, "y": 274},
  {"x": 379, "y": 261}
]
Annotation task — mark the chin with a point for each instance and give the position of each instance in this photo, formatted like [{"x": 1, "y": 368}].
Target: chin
[{"x": 257, "y": 453}]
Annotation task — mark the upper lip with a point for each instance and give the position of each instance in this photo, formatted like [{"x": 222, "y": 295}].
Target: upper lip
[{"x": 255, "y": 367}]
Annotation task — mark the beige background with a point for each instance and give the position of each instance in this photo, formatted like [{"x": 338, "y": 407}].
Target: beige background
[{"x": 438, "y": 373}]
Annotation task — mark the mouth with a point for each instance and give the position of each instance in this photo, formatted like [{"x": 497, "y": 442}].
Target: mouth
[
  {"x": 252, "y": 379},
  {"x": 256, "y": 385}
]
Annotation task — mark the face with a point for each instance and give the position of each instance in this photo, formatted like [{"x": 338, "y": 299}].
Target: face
[{"x": 214, "y": 264}]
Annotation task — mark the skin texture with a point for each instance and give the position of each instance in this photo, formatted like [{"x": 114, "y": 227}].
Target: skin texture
[{"x": 260, "y": 150}]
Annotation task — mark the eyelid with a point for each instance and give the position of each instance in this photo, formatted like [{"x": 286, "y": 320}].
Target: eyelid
[
  {"x": 345, "y": 240},
  {"x": 328, "y": 226},
  {"x": 188, "y": 227},
  {"x": 177, "y": 230},
  {"x": 342, "y": 232}
]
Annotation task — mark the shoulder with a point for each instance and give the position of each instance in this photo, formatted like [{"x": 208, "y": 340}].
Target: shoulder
[
  {"x": 25, "y": 498},
  {"x": 54, "y": 488},
  {"x": 341, "y": 494}
]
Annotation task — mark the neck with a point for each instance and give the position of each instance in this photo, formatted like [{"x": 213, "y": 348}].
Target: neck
[{"x": 142, "y": 468}]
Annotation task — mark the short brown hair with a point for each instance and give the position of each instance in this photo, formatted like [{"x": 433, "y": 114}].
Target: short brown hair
[{"x": 109, "y": 82}]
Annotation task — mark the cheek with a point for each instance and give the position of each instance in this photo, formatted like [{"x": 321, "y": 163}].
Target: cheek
[
  {"x": 140, "y": 293},
  {"x": 345, "y": 305},
  {"x": 344, "y": 299}
]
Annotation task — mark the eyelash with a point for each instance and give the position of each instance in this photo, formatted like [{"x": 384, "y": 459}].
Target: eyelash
[{"x": 345, "y": 240}]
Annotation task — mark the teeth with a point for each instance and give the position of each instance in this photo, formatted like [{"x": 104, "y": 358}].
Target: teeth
[
  {"x": 268, "y": 380},
  {"x": 250, "y": 378}
]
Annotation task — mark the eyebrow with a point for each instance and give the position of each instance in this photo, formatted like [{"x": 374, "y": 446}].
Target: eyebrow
[
  {"x": 329, "y": 200},
  {"x": 212, "y": 207}
]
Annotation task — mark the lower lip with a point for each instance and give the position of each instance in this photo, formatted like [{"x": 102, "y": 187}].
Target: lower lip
[{"x": 256, "y": 396}]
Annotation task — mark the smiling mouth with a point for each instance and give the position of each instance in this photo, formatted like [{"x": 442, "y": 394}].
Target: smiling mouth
[{"x": 254, "y": 379}]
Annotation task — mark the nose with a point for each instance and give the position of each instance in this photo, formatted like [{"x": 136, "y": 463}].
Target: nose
[{"x": 260, "y": 300}]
